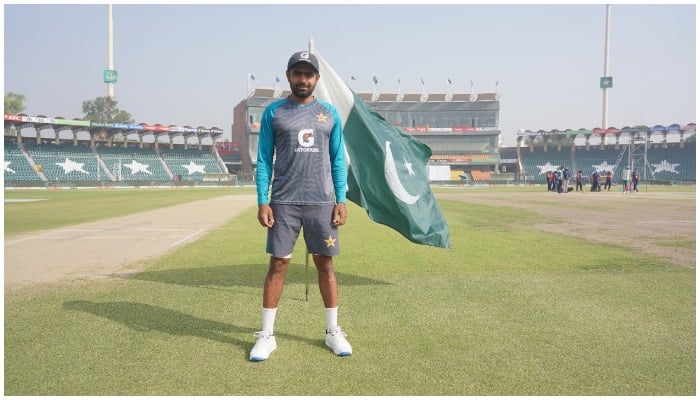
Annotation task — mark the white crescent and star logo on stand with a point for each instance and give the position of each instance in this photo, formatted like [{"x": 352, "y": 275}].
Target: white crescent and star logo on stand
[{"x": 392, "y": 177}]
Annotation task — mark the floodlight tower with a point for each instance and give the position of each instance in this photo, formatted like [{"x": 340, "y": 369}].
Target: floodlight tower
[
  {"x": 110, "y": 75},
  {"x": 606, "y": 80}
]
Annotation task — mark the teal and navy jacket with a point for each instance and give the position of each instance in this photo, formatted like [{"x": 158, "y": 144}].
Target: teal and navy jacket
[{"x": 306, "y": 141}]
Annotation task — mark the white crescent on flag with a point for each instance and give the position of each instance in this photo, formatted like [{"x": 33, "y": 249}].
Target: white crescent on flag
[
  {"x": 368, "y": 137},
  {"x": 392, "y": 178}
]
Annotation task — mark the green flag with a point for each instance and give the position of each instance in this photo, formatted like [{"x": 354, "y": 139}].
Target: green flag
[{"x": 387, "y": 173}]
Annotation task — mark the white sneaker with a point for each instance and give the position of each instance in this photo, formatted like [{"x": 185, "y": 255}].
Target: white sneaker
[
  {"x": 335, "y": 339},
  {"x": 265, "y": 345}
]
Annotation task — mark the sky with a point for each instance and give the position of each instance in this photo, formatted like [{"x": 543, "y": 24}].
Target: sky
[{"x": 183, "y": 64}]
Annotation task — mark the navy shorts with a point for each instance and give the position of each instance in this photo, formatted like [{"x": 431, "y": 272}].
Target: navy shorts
[{"x": 320, "y": 235}]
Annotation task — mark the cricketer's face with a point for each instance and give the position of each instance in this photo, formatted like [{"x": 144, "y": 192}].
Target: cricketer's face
[{"x": 302, "y": 79}]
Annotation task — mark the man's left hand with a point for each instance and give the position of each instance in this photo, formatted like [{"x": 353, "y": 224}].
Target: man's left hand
[{"x": 340, "y": 215}]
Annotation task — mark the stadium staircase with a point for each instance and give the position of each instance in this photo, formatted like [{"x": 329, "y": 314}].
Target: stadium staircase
[
  {"x": 133, "y": 164},
  {"x": 110, "y": 175},
  {"x": 21, "y": 167},
  {"x": 165, "y": 165},
  {"x": 66, "y": 162},
  {"x": 220, "y": 161}
]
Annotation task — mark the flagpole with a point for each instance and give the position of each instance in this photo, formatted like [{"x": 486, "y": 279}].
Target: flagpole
[
  {"x": 311, "y": 50},
  {"x": 448, "y": 92},
  {"x": 399, "y": 95},
  {"x": 307, "y": 274},
  {"x": 277, "y": 93},
  {"x": 110, "y": 61},
  {"x": 606, "y": 65},
  {"x": 375, "y": 91}
]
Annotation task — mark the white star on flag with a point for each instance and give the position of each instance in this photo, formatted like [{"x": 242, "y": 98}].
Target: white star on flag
[
  {"x": 7, "y": 167},
  {"x": 70, "y": 166},
  {"x": 192, "y": 168},
  {"x": 136, "y": 166},
  {"x": 409, "y": 166}
]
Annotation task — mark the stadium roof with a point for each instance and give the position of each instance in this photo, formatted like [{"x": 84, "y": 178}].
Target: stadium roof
[
  {"x": 59, "y": 123},
  {"x": 395, "y": 97}
]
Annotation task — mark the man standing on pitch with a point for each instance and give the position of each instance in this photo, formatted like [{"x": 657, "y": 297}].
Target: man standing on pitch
[{"x": 306, "y": 137}]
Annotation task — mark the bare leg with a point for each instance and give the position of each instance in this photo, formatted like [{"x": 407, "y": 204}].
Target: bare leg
[
  {"x": 326, "y": 280},
  {"x": 274, "y": 281}
]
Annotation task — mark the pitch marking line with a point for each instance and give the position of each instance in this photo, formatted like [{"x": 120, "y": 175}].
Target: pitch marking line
[
  {"x": 22, "y": 240},
  {"x": 56, "y": 235},
  {"x": 119, "y": 237},
  {"x": 668, "y": 221},
  {"x": 119, "y": 229},
  {"x": 187, "y": 237},
  {"x": 22, "y": 200}
]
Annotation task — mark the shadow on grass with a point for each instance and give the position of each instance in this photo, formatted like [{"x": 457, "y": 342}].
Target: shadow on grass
[
  {"x": 145, "y": 318},
  {"x": 251, "y": 275}
]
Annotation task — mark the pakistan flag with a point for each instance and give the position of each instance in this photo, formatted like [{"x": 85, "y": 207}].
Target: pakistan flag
[{"x": 387, "y": 172}]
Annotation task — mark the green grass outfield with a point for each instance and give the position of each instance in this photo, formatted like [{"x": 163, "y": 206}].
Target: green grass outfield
[{"x": 501, "y": 313}]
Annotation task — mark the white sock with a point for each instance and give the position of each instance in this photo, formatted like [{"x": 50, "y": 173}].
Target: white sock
[
  {"x": 331, "y": 317},
  {"x": 268, "y": 323}
]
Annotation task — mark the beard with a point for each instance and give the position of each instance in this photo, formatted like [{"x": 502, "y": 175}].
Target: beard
[{"x": 303, "y": 92}]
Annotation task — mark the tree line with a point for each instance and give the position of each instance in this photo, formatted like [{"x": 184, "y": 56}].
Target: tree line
[{"x": 101, "y": 109}]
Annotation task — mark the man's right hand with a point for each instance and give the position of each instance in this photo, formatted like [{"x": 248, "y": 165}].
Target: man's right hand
[{"x": 265, "y": 216}]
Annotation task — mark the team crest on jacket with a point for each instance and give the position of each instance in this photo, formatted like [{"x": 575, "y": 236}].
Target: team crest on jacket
[{"x": 322, "y": 117}]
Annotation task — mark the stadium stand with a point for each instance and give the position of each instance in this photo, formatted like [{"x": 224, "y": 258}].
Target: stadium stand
[
  {"x": 233, "y": 157},
  {"x": 17, "y": 167},
  {"x": 509, "y": 153},
  {"x": 665, "y": 162},
  {"x": 134, "y": 164},
  {"x": 478, "y": 176},
  {"x": 672, "y": 163},
  {"x": 537, "y": 162},
  {"x": 191, "y": 164},
  {"x": 460, "y": 158},
  {"x": 594, "y": 158},
  {"x": 66, "y": 162},
  {"x": 462, "y": 132}
]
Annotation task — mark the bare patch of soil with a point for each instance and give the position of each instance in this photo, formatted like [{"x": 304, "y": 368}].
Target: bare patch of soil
[
  {"x": 660, "y": 224},
  {"x": 103, "y": 248}
]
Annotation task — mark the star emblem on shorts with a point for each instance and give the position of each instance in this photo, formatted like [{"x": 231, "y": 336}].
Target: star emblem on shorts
[
  {"x": 322, "y": 117},
  {"x": 330, "y": 242}
]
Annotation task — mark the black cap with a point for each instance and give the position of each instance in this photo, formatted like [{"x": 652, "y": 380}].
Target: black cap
[{"x": 303, "y": 56}]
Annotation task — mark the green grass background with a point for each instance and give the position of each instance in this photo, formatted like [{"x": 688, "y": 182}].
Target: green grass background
[{"x": 506, "y": 311}]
